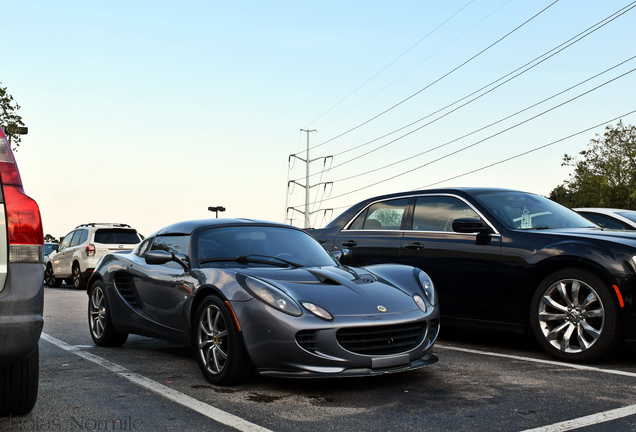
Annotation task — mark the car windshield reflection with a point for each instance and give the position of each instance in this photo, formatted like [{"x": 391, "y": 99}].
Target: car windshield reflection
[
  {"x": 259, "y": 245},
  {"x": 521, "y": 211}
]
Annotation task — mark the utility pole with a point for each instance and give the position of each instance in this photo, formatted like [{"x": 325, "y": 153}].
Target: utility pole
[{"x": 307, "y": 186}]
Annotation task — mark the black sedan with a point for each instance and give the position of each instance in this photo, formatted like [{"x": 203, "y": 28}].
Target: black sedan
[
  {"x": 503, "y": 258},
  {"x": 257, "y": 295}
]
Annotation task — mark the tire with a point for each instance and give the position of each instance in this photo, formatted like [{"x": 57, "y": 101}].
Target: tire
[
  {"x": 19, "y": 386},
  {"x": 218, "y": 345},
  {"x": 79, "y": 281},
  {"x": 99, "y": 319},
  {"x": 575, "y": 316},
  {"x": 50, "y": 279}
]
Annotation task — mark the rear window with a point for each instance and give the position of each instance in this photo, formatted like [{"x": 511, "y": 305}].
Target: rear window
[{"x": 117, "y": 236}]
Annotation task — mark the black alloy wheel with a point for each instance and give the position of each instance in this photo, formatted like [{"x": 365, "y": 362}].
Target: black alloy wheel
[
  {"x": 49, "y": 277},
  {"x": 575, "y": 316},
  {"x": 99, "y": 319},
  {"x": 218, "y": 345}
]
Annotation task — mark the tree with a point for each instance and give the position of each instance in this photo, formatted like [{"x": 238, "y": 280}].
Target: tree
[
  {"x": 605, "y": 175},
  {"x": 10, "y": 120},
  {"x": 50, "y": 238}
]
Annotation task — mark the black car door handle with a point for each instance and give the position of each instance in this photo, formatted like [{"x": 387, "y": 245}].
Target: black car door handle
[
  {"x": 349, "y": 243},
  {"x": 414, "y": 246}
]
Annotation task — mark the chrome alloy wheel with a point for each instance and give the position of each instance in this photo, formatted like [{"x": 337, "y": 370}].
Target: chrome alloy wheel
[
  {"x": 97, "y": 312},
  {"x": 212, "y": 339},
  {"x": 571, "y": 315}
]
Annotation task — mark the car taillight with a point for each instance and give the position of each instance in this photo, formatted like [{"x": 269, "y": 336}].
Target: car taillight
[
  {"x": 90, "y": 250},
  {"x": 24, "y": 223}
]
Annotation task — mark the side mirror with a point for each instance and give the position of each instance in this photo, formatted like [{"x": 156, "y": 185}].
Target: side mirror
[
  {"x": 55, "y": 247},
  {"x": 159, "y": 257},
  {"x": 470, "y": 225}
]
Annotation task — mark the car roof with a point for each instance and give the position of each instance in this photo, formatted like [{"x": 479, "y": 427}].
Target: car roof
[{"x": 188, "y": 227}]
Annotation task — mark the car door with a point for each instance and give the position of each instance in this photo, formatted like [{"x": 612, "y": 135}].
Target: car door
[
  {"x": 62, "y": 260},
  {"x": 374, "y": 236},
  {"x": 465, "y": 268},
  {"x": 163, "y": 290}
]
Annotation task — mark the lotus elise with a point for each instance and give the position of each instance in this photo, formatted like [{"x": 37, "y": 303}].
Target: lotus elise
[{"x": 259, "y": 296}]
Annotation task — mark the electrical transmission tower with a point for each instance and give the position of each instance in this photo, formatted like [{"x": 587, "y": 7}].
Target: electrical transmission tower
[{"x": 306, "y": 212}]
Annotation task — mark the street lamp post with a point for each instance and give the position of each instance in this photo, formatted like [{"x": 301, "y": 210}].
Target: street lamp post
[{"x": 216, "y": 210}]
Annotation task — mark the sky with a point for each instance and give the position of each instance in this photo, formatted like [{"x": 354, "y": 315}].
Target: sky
[{"x": 149, "y": 112}]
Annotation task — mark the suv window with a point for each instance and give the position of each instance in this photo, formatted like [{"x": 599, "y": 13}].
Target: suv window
[
  {"x": 79, "y": 237},
  {"x": 436, "y": 213},
  {"x": 67, "y": 240},
  {"x": 385, "y": 215},
  {"x": 116, "y": 236}
]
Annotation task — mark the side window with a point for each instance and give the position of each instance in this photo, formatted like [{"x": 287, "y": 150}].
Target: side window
[
  {"x": 67, "y": 240},
  {"x": 77, "y": 237},
  {"x": 436, "y": 213},
  {"x": 177, "y": 244},
  {"x": 83, "y": 236},
  {"x": 385, "y": 215},
  {"x": 143, "y": 247}
]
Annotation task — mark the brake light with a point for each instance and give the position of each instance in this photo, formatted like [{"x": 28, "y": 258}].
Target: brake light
[
  {"x": 90, "y": 250},
  {"x": 24, "y": 223}
]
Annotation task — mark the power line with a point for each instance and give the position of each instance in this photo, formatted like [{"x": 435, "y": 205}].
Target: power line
[
  {"x": 502, "y": 119},
  {"x": 438, "y": 79},
  {"x": 540, "y": 59},
  {"x": 529, "y": 151},
  {"x": 393, "y": 61},
  {"x": 537, "y": 60},
  {"x": 480, "y": 141}
]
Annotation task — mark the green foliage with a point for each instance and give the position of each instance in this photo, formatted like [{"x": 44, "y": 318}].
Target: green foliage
[
  {"x": 10, "y": 120},
  {"x": 605, "y": 173}
]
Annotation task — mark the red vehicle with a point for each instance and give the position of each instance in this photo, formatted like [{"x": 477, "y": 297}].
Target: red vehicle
[{"x": 21, "y": 289}]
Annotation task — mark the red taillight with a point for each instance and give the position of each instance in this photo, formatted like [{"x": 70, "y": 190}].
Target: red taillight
[
  {"x": 24, "y": 223},
  {"x": 90, "y": 250}
]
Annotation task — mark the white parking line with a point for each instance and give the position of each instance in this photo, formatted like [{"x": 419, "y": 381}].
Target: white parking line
[
  {"x": 166, "y": 392},
  {"x": 535, "y": 360},
  {"x": 568, "y": 425}
]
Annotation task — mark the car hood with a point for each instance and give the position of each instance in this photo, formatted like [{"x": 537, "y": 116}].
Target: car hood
[{"x": 342, "y": 290}]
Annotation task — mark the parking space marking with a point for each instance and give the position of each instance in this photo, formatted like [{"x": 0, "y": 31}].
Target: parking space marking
[
  {"x": 590, "y": 420},
  {"x": 536, "y": 360},
  {"x": 166, "y": 392},
  {"x": 567, "y": 425}
]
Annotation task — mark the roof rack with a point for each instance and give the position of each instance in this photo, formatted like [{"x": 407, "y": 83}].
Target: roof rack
[{"x": 94, "y": 224}]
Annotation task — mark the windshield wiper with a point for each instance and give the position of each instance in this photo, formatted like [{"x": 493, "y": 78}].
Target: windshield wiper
[{"x": 252, "y": 259}]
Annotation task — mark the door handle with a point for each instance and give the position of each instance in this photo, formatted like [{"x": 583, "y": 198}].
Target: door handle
[
  {"x": 349, "y": 243},
  {"x": 414, "y": 246}
]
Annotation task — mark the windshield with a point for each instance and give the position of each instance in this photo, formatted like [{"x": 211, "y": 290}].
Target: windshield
[
  {"x": 253, "y": 245},
  {"x": 524, "y": 211}
]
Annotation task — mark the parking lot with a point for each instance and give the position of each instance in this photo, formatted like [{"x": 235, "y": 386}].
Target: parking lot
[{"x": 483, "y": 381}]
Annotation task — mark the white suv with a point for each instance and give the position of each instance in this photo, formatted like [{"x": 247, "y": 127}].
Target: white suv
[{"x": 77, "y": 255}]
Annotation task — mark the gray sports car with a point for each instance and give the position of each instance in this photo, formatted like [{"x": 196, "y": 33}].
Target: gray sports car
[{"x": 250, "y": 295}]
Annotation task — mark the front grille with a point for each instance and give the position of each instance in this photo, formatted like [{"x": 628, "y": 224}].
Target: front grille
[
  {"x": 125, "y": 287},
  {"x": 307, "y": 339},
  {"x": 382, "y": 340}
]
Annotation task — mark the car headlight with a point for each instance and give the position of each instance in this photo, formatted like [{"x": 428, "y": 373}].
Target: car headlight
[
  {"x": 269, "y": 294},
  {"x": 318, "y": 311},
  {"x": 419, "y": 301},
  {"x": 427, "y": 286}
]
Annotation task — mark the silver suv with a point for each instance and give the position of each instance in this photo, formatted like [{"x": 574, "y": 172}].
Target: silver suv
[
  {"x": 21, "y": 290},
  {"x": 77, "y": 255}
]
